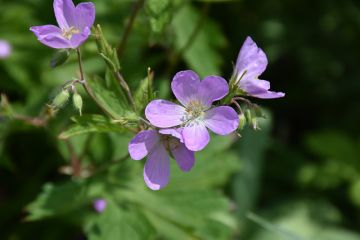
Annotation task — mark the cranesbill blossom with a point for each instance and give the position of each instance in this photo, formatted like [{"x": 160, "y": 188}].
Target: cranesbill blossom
[
  {"x": 74, "y": 25},
  {"x": 157, "y": 145},
  {"x": 196, "y": 113},
  {"x": 99, "y": 205},
  {"x": 250, "y": 64},
  {"x": 5, "y": 49}
]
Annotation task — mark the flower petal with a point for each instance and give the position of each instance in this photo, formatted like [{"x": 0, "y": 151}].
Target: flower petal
[
  {"x": 269, "y": 95},
  {"x": 85, "y": 15},
  {"x": 196, "y": 136},
  {"x": 143, "y": 143},
  {"x": 157, "y": 168},
  {"x": 183, "y": 156},
  {"x": 211, "y": 89},
  {"x": 64, "y": 13},
  {"x": 251, "y": 62},
  {"x": 164, "y": 114},
  {"x": 173, "y": 132},
  {"x": 222, "y": 120},
  {"x": 185, "y": 86},
  {"x": 259, "y": 88},
  {"x": 50, "y": 36},
  {"x": 78, "y": 39}
]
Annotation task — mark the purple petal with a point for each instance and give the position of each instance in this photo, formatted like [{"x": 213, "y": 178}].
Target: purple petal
[
  {"x": 77, "y": 39},
  {"x": 5, "y": 49},
  {"x": 222, "y": 120},
  {"x": 164, "y": 114},
  {"x": 64, "y": 13},
  {"x": 269, "y": 95},
  {"x": 211, "y": 89},
  {"x": 196, "y": 136},
  {"x": 251, "y": 62},
  {"x": 259, "y": 88},
  {"x": 185, "y": 86},
  {"x": 50, "y": 36},
  {"x": 85, "y": 15},
  {"x": 173, "y": 132},
  {"x": 157, "y": 168},
  {"x": 183, "y": 156},
  {"x": 143, "y": 143},
  {"x": 99, "y": 205}
]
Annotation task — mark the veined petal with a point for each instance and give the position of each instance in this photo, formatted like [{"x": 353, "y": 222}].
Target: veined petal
[
  {"x": 184, "y": 158},
  {"x": 269, "y": 95},
  {"x": 50, "y": 36},
  {"x": 173, "y": 132},
  {"x": 196, "y": 136},
  {"x": 64, "y": 13},
  {"x": 211, "y": 89},
  {"x": 85, "y": 15},
  {"x": 251, "y": 62},
  {"x": 185, "y": 86},
  {"x": 157, "y": 168},
  {"x": 259, "y": 88},
  {"x": 143, "y": 143},
  {"x": 221, "y": 120},
  {"x": 164, "y": 114},
  {"x": 78, "y": 39}
]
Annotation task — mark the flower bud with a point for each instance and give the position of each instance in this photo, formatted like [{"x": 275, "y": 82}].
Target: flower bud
[
  {"x": 99, "y": 205},
  {"x": 61, "y": 99},
  {"x": 78, "y": 102},
  {"x": 242, "y": 121}
]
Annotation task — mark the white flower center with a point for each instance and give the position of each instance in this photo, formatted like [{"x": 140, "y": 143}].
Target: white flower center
[
  {"x": 67, "y": 33},
  {"x": 194, "y": 112}
]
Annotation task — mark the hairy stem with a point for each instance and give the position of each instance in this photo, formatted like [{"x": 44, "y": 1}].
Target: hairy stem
[{"x": 125, "y": 86}]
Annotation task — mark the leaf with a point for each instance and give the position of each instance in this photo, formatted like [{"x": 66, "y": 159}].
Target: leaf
[
  {"x": 109, "y": 95},
  {"x": 92, "y": 124},
  {"x": 117, "y": 222},
  {"x": 59, "y": 58},
  {"x": 159, "y": 12},
  {"x": 200, "y": 50},
  {"x": 56, "y": 200}
]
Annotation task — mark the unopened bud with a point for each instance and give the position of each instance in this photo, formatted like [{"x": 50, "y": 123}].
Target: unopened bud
[
  {"x": 242, "y": 121},
  {"x": 61, "y": 99},
  {"x": 78, "y": 103}
]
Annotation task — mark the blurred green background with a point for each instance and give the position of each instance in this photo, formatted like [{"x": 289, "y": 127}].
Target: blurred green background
[{"x": 297, "y": 178}]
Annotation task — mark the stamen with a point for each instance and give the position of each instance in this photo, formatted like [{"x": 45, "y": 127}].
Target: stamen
[{"x": 67, "y": 33}]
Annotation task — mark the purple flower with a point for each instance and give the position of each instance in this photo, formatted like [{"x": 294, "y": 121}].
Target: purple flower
[
  {"x": 5, "y": 49},
  {"x": 251, "y": 63},
  {"x": 74, "y": 25},
  {"x": 157, "y": 145},
  {"x": 197, "y": 113},
  {"x": 99, "y": 205}
]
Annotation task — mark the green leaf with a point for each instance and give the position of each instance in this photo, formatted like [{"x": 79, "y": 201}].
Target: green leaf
[
  {"x": 117, "y": 222},
  {"x": 93, "y": 124},
  {"x": 159, "y": 13},
  {"x": 198, "y": 43},
  {"x": 59, "y": 58},
  {"x": 110, "y": 97},
  {"x": 56, "y": 200}
]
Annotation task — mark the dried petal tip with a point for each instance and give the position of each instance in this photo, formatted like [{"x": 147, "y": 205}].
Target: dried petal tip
[
  {"x": 99, "y": 205},
  {"x": 5, "y": 49}
]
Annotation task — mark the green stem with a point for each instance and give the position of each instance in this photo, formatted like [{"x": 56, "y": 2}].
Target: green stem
[{"x": 129, "y": 26}]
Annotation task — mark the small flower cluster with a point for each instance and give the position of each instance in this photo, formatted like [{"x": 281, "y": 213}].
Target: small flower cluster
[
  {"x": 179, "y": 130},
  {"x": 175, "y": 129}
]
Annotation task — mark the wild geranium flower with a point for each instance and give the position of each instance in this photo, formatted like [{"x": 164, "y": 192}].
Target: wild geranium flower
[
  {"x": 5, "y": 49},
  {"x": 99, "y": 205},
  {"x": 74, "y": 25},
  {"x": 157, "y": 145},
  {"x": 250, "y": 64},
  {"x": 196, "y": 113}
]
